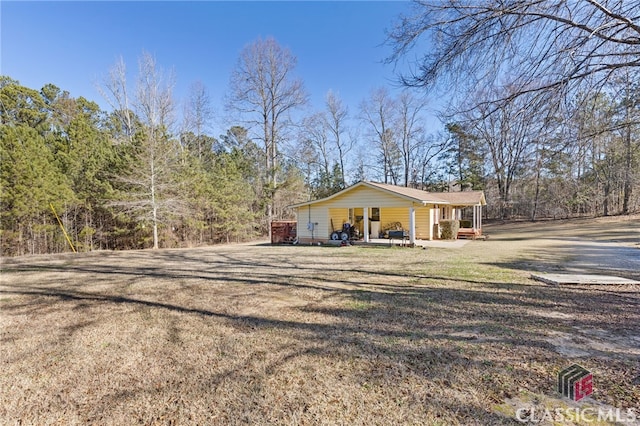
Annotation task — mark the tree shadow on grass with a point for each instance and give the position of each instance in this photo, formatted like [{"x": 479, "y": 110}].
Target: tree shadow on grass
[
  {"x": 453, "y": 337},
  {"x": 432, "y": 292},
  {"x": 362, "y": 334}
]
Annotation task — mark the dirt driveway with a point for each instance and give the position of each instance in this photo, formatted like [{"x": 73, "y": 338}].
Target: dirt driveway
[
  {"x": 608, "y": 246},
  {"x": 605, "y": 257}
]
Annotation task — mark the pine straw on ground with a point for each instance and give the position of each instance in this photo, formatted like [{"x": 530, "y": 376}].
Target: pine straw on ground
[{"x": 305, "y": 335}]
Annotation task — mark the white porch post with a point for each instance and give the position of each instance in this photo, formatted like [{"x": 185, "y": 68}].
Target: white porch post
[
  {"x": 365, "y": 211},
  {"x": 475, "y": 223},
  {"x": 432, "y": 221},
  {"x": 436, "y": 221},
  {"x": 412, "y": 225}
]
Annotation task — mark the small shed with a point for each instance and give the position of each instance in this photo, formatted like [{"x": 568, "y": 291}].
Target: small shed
[
  {"x": 283, "y": 231},
  {"x": 372, "y": 207}
]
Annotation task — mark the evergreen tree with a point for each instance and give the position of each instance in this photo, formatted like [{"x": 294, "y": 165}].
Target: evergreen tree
[{"x": 29, "y": 183}]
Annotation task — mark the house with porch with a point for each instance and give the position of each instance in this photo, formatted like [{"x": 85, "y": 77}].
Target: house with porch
[{"x": 371, "y": 208}]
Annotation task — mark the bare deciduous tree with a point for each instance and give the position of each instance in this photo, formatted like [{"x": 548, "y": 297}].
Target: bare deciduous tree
[
  {"x": 114, "y": 90},
  {"x": 538, "y": 44},
  {"x": 410, "y": 132},
  {"x": 263, "y": 92},
  {"x": 336, "y": 121},
  {"x": 426, "y": 163},
  {"x": 628, "y": 123},
  {"x": 316, "y": 137},
  {"x": 198, "y": 113},
  {"x": 396, "y": 126},
  {"x": 154, "y": 103},
  {"x": 509, "y": 135},
  {"x": 379, "y": 111},
  {"x": 149, "y": 185}
]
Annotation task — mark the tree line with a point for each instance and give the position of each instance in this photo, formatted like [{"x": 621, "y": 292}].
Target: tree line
[
  {"x": 143, "y": 174},
  {"x": 116, "y": 186}
]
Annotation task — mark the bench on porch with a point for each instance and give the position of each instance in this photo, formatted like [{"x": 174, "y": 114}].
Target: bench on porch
[{"x": 473, "y": 233}]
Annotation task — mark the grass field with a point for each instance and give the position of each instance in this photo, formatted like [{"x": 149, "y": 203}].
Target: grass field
[{"x": 255, "y": 334}]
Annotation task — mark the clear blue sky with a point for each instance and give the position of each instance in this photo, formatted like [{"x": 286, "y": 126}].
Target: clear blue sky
[{"x": 339, "y": 45}]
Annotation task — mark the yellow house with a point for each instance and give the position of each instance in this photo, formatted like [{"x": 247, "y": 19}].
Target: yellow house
[{"x": 372, "y": 207}]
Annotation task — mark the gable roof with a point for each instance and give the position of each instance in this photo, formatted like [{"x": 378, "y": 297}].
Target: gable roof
[{"x": 410, "y": 194}]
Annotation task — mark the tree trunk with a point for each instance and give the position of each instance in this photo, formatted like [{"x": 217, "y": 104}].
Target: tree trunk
[
  {"x": 536, "y": 198},
  {"x": 154, "y": 207},
  {"x": 628, "y": 188},
  {"x": 605, "y": 203}
]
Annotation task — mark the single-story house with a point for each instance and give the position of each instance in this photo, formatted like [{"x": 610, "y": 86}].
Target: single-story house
[{"x": 371, "y": 207}]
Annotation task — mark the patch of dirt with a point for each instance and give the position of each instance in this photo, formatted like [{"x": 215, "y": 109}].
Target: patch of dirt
[{"x": 591, "y": 342}]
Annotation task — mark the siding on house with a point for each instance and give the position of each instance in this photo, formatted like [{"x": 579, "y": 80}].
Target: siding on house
[
  {"x": 390, "y": 215},
  {"x": 316, "y": 215},
  {"x": 424, "y": 229},
  {"x": 423, "y": 223},
  {"x": 363, "y": 196},
  {"x": 338, "y": 216}
]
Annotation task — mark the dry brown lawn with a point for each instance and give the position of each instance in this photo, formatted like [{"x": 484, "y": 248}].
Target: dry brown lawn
[{"x": 255, "y": 334}]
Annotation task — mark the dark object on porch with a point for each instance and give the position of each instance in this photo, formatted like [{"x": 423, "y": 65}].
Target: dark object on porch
[
  {"x": 348, "y": 233},
  {"x": 283, "y": 231},
  {"x": 398, "y": 235},
  {"x": 402, "y": 235}
]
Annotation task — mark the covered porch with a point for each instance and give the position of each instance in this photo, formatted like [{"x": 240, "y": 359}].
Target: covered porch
[
  {"x": 467, "y": 208},
  {"x": 376, "y": 223}
]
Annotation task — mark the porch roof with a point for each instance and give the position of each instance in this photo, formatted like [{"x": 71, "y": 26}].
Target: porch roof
[{"x": 464, "y": 198}]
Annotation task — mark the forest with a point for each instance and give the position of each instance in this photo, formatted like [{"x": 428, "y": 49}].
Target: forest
[{"x": 547, "y": 139}]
